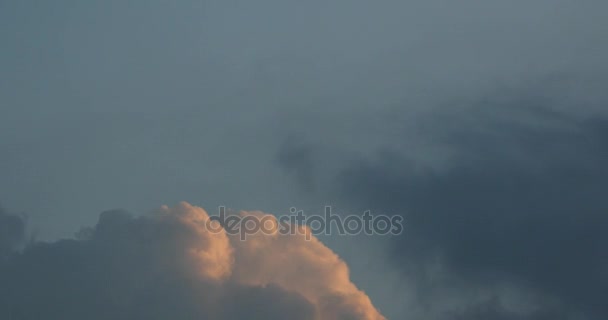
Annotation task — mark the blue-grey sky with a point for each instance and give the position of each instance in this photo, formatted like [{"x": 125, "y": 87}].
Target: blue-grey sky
[{"x": 441, "y": 111}]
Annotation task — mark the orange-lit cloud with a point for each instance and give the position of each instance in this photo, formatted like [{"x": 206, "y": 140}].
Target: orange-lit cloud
[
  {"x": 169, "y": 265},
  {"x": 305, "y": 267}
]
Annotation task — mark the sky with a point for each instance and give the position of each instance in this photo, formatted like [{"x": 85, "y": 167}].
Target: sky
[{"x": 484, "y": 124}]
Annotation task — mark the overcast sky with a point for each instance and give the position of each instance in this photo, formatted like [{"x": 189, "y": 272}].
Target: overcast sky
[{"x": 483, "y": 123}]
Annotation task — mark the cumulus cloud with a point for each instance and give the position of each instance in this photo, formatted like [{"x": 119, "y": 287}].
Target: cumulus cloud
[
  {"x": 169, "y": 265},
  {"x": 304, "y": 266}
]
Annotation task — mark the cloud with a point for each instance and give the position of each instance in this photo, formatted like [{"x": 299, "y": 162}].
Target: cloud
[
  {"x": 168, "y": 265},
  {"x": 295, "y": 156},
  {"x": 519, "y": 203},
  {"x": 503, "y": 199},
  {"x": 12, "y": 233}
]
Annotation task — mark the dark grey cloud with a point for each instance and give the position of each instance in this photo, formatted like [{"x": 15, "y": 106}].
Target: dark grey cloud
[
  {"x": 520, "y": 200},
  {"x": 296, "y": 157},
  {"x": 492, "y": 309},
  {"x": 12, "y": 233}
]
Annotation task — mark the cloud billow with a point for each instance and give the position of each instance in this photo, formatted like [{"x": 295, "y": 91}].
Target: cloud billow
[{"x": 167, "y": 265}]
